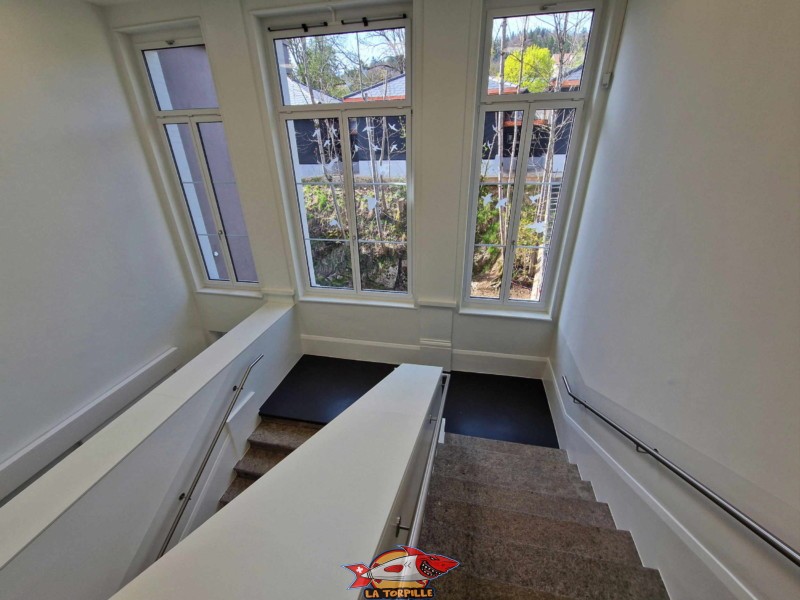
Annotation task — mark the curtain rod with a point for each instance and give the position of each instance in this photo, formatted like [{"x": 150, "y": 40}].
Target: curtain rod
[
  {"x": 304, "y": 26},
  {"x": 365, "y": 20}
]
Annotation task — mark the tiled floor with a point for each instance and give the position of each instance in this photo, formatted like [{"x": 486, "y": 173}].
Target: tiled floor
[{"x": 511, "y": 409}]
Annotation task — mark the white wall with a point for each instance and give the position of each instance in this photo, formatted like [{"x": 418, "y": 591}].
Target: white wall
[
  {"x": 92, "y": 285},
  {"x": 682, "y": 310}
]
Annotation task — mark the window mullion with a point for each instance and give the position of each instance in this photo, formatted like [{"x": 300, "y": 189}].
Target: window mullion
[
  {"x": 350, "y": 198},
  {"x": 516, "y": 203},
  {"x": 223, "y": 238}
]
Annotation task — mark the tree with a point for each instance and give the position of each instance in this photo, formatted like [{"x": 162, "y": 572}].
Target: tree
[
  {"x": 531, "y": 68},
  {"x": 316, "y": 65}
]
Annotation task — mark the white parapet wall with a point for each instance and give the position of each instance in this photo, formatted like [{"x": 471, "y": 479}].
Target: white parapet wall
[
  {"x": 99, "y": 517},
  {"x": 324, "y": 506}
]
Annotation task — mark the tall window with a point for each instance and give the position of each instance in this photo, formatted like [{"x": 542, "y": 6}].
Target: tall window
[
  {"x": 186, "y": 109},
  {"x": 344, "y": 101},
  {"x": 535, "y": 71}
]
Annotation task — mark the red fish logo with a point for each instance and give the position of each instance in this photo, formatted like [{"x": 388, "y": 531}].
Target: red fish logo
[{"x": 408, "y": 568}]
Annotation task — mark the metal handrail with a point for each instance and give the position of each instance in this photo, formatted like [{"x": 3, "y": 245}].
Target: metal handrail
[
  {"x": 766, "y": 535},
  {"x": 416, "y": 523},
  {"x": 187, "y": 496}
]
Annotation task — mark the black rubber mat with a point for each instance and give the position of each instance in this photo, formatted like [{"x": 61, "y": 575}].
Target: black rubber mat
[
  {"x": 512, "y": 409},
  {"x": 318, "y": 388}
]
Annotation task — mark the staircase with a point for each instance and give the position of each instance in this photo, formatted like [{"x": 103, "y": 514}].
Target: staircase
[
  {"x": 526, "y": 527},
  {"x": 270, "y": 443}
]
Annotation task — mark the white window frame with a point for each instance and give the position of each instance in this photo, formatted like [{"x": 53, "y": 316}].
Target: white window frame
[
  {"x": 529, "y": 104},
  {"x": 192, "y": 117},
  {"x": 341, "y": 111}
]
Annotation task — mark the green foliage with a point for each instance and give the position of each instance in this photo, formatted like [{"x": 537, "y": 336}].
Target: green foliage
[
  {"x": 318, "y": 63},
  {"x": 536, "y": 66}
]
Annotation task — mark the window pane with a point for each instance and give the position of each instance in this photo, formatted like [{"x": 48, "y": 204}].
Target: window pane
[
  {"x": 550, "y": 139},
  {"x": 384, "y": 267},
  {"x": 381, "y": 212},
  {"x": 487, "y": 272},
  {"x": 502, "y": 134},
  {"x": 215, "y": 148},
  {"x": 526, "y": 277},
  {"x": 242, "y": 258},
  {"x": 317, "y": 165},
  {"x": 550, "y": 143},
  {"x": 494, "y": 213},
  {"x": 179, "y": 136},
  {"x": 211, "y": 249},
  {"x": 539, "y": 52},
  {"x": 330, "y": 264},
  {"x": 378, "y": 147},
  {"x": 345, "y": 67},
  {"x": 181, "y": 78},
  {"x": 316, "y": 150},
  {"x": 323, "y": 211}
]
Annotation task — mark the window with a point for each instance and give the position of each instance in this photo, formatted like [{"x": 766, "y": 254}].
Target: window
[
  {"x": 187, "y": 112},
  {"x": 535, "y": 72},
  {"x": 343, "y": 102}
]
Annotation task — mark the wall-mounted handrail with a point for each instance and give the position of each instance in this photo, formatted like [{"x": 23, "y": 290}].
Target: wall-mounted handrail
[
  {"x": 766, "y": 535},
  {"x": 187, "y": 496},
  {"x": 416, "y": 523}
]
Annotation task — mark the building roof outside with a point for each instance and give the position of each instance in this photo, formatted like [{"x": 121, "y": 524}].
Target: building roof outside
[
  {"x": 299, "y": 93},
  {"x": 393, "y": 88}
]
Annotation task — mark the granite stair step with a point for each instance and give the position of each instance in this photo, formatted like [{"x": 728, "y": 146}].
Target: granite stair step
[
  {"x": 258, "y": 461},
  {"x": 545, "y": 464},
  {"x": 282, "y": 433},
  {"x": 458, "y": 585},
  {"x": 272, "y": 441},
  {"x": 577, "y": 510},
  {"x": 506, "y": 569},
  {"x": 535, "y": 452},
  {"x": 443, "y": 516},
  {"x": 558, "y": 478},
  {"x": 238, "y": 485}
]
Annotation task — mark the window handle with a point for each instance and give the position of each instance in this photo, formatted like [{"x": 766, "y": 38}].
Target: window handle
[{"x": 220, "y": 232}]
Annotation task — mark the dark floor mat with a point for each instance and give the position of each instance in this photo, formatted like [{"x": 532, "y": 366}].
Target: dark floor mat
[
  {"x": 512, "y": 409},
  {"x": 318, "y": 388}
]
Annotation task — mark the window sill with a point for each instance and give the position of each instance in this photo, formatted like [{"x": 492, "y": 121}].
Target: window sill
[
  {"x": 236, "y": 293},
  {"x": 353, "y": 301},
  {"x": 510, "y": 313}
]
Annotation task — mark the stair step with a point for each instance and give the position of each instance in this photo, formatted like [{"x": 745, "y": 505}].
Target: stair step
[
  {"x": 258, "y": 461},
  {"x": 505, "y": 470},
  {"x": 544, "y": 463},
  {"x": 529, "y": 450},
  {"x": 273, "y": 432},
  {"x": 577, "y": 510},
  {"x": 537, "y": 573},
  {"x": 457, "y": 585},
  {"x": 443, "y": 516},
  {"x": 238, "y": 485}
]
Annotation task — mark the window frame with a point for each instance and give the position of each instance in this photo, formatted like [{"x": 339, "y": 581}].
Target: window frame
[
  {"x": 193, "y": 117},
  {"x": 341, "y": 111},
  {"x": 529, "y": 104}
]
